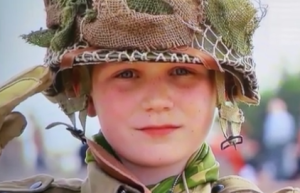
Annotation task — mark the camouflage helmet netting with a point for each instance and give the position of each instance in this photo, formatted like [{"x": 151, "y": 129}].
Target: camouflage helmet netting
[{"x": 224, "y": 29}]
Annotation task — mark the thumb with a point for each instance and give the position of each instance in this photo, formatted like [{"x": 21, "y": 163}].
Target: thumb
[{"x": 13, "y": 126}]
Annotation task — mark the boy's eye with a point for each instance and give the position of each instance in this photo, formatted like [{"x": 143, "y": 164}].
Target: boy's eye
[
  {"x": 180, "y": 71},
  {"x": 127, "y": 74}
]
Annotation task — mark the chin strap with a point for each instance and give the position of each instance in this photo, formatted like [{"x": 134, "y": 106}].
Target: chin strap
[
  {"x": 78, "y": 134},
  {"x": 230, "y": 116},
  {"x": 77, "y": 85}
]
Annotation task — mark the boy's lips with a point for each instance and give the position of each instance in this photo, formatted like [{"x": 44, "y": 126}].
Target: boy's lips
[{"x": 159, "y": 129}]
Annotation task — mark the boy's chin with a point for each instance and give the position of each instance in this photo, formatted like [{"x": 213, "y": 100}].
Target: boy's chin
[{"x": 160, "y": 159}]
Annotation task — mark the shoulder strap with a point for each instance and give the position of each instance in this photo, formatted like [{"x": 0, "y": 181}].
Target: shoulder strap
[
  {"x": 288, "y": 190},
  {"x": 37, "y": 183},
  {"x": 40, "y": 183},
  {"x": 236, "y": 184}
]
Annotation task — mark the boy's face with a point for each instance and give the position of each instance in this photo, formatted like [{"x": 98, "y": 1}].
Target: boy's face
[{"x": 154, "y": 114}]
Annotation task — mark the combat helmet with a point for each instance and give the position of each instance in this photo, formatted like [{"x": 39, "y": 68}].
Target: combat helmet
[{"x": 214, "y": 33}]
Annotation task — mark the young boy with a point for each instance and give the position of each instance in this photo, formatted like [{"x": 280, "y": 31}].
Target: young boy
[{"x": 153, "y": 73}]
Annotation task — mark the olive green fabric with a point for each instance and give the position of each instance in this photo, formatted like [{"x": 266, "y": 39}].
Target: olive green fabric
[
  {"x": 70, "y": 9},
  {"x": 202, "y": 168},
  {"x": 235, "y": 27},
  {"x": 15, "y": 91},
  {"x": 11, "y": 126}
]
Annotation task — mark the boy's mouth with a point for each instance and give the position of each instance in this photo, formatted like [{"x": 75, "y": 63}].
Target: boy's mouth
[{"x": 159, "y": 129}]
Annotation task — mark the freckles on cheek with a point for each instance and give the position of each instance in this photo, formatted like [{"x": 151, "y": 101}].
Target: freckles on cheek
[
  {"x": 192, "y": 98},
  {"x": 196, "y": 101},
  {"x": 112, "y": 102}
]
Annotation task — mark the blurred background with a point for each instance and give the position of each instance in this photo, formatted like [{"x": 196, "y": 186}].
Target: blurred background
[{"x": 269, "y": 156}]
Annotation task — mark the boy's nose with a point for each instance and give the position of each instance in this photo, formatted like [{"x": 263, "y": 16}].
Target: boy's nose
[
  {"x": 158, "y": 104},
  {"x": 158, "y": 98}
]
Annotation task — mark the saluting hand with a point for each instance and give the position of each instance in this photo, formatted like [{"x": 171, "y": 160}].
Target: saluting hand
[
  {"x": 11, "y": 126},
  {"x": 15, "y": 91}
]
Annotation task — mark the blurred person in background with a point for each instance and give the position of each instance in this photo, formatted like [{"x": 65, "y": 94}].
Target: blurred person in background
[
  {"x": 297, "y": 172},
  {"x": 278, "y": 138},
  {"x": 298, "y": 155},
  {"x": 38, "y": 141}
]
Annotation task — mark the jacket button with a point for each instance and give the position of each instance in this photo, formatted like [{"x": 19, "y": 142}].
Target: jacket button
[
  {"x": 217, "y": 188},
  {"x": 35, "y": 185}
]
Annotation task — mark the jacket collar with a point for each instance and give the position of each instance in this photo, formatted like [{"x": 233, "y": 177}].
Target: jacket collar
[{"x": 113, "y": 176}]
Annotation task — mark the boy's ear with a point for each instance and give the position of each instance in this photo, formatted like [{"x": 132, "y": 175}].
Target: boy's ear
[{"x": 90, "y": 108}]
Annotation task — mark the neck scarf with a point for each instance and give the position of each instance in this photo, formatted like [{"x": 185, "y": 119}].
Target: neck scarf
[{"x": 202, "y": 168}]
